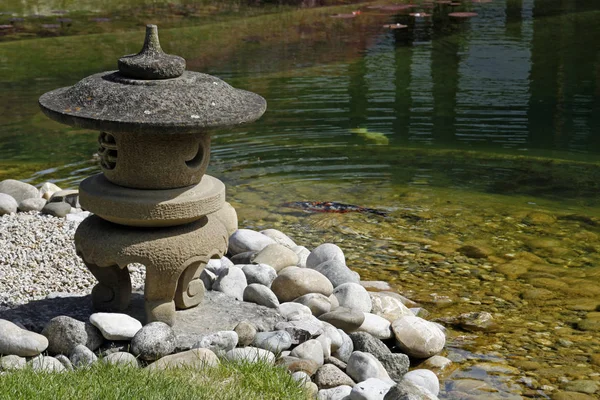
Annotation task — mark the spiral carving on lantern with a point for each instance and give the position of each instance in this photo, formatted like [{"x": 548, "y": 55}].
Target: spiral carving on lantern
[{"x": 107, "y": 150}]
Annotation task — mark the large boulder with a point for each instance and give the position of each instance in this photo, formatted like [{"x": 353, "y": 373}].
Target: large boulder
[
  {"x": 417, "y": 337},
  {"x": 232, "y": 282},
  {"x": 18, "y": 190},
  {"x": 64, "y": 333},
  {"x": 388, "y": 305},
  {"x": 20, "y": 342},
  {"x": 277, "y": 256},
  {"x": 325, "y": 252},
  {"x": 337, "y": 272},
  {"x": 245, "y": 240},
  {"x": 260, "y": 294},
  {"x": 293, "y": 282},
  {"x": 344, "y": 318},
  {"x": 362, "y": 366},
  {"x": 259, "y": 273},
  {"x": 354, "y": 296}
]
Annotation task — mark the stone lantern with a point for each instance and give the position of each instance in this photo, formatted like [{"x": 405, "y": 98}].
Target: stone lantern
[{"x": 152, "y": 203}]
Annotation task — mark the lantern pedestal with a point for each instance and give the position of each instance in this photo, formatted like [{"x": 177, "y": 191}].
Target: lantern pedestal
[{"x": 173, "y": 256}]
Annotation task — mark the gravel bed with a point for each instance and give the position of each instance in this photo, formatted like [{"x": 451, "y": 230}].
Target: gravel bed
[{"x": 37, "y": 259}]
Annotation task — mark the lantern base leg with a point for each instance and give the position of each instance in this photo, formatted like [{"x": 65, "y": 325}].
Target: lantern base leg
[
  {"x": 158, "y": 298},
  {"x": 113, "y": 290}
]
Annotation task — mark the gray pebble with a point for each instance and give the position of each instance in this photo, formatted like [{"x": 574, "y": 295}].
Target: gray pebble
[
  {"x": 153, "y": 341},
  {"x": 57, "y": 209},
  {"x": 32, "y": 204},
  {"x": 8, "y": 204}
]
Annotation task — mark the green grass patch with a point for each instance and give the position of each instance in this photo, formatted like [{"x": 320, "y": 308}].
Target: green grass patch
[{"x": 229, "y": 380}]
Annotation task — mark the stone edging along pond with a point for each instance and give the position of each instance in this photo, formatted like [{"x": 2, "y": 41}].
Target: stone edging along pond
[{"x": 304, "y": 310}]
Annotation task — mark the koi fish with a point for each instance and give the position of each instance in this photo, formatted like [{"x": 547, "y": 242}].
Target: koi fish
[{"x": 332, "y": 207}]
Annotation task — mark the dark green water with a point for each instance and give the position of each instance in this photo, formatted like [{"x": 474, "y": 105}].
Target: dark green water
[{"x": 466, "y": 130}]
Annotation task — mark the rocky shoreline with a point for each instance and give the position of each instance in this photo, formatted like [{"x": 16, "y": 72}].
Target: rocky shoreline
[
  {"x": 316, "y": 318},
  {"x": 518, "y": 353}
]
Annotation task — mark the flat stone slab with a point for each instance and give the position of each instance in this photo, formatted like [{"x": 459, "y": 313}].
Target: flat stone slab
[{"x": 218, "y": 312}]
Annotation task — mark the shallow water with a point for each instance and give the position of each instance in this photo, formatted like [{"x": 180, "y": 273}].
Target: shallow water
[{"x": 479, "y": 137}]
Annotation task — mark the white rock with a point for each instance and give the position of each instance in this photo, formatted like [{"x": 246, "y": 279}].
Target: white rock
[
  {"x": 334, "y": 302},
  {"x": 309, "y": 350},
  {"x": 48, "y": 189},
  {"x": 424, "y": 378},
  {"x": 334, "y": 335},
  {"x": 12, "y": 362},
  {"x": 18, "y": 190},
  {"x": 346, "y": 349},
  {"x": 46, "y": 364},
  {"x": 301, "y": 376},
  {"x": 325, "y": 252},
  {"x": 215, "y": 266},
  {"x": 318, "y": 303},
  {"x": 244, "y": 240},
  {"x": 20, "y": 342},
  {"x": 199, "y": 358},
  {"x": 294, "y": 311},
  {"x": 377, "y": 326},
  {"x": 8, "y": 204},
  {"x": 250, "y": 354},
  {"x": 417, "y": 337},
  {"x": 115, "y": 326},
  {"x": 387, "y": 306},
  {"x": 362, "y": 366},
  {"x": 275, "y": 341},
  {"x": 121, "y": 358},
  {"x": 370, "y": 389},
  {"x": 298, "y": 329},
  {"x": 325, "y": 344},
  {"x": 437, "y": 363},
  {"x": 260, "y": 294},
  {"x": 279, "y": 237},
  {"x": 302, "y": 253},
  {"x": 226, "y": 262},
  {"x": 376, "y": 285},
  {"x": 336, "y": 393},
  {"x": 78, "y": 216},
  {"x": 218, "y": 342},
  {"x": 353, "y": 296},
  {"x": 232, "y": 282},
  {"x": 259, "y": 273}
]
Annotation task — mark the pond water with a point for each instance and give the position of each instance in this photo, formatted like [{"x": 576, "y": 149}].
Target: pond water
[{"x": 480, "y": 138}]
